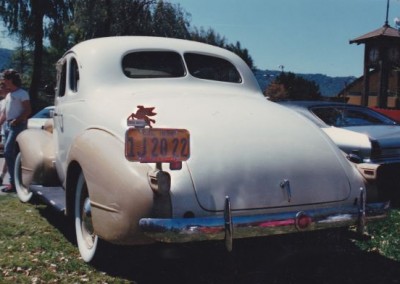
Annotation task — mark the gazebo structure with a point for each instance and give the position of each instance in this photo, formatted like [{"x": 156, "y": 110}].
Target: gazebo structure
[{"x": 382, "y": 54}]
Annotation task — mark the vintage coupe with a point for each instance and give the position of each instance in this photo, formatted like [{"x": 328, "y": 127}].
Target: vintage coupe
[{"x": 168, "y": 140}]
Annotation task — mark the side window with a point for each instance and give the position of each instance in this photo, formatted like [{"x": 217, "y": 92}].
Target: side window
[
  {"x": 73, "y": 75},
  {"x": 61, "y": 78},
  {"x": 330, "y": 115},
  {"x": 212, "y": 68}
]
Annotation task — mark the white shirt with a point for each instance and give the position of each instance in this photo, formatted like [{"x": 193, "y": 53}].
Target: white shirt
[
  {"x": 13, "y": 103},
  {"x": 2, "y": 105}
]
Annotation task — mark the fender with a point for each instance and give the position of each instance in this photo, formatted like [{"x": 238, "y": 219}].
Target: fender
[
  {"x": 37, "y": 151},
  {"x": 119, "y": 190}
]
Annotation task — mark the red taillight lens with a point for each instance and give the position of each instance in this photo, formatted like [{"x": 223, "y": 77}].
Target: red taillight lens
[{"x": 302, "y": 221}]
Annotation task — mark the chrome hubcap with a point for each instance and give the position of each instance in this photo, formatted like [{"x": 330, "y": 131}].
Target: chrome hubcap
[{"x": 87, "y": 224}]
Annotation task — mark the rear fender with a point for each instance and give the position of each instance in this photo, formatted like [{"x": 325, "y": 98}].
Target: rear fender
[
  {"x": 119, "y": 191},
  {"x": 38, "y": 154}
]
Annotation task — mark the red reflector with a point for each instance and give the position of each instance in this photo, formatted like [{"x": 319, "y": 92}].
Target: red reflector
[
  {"x": 175, "y": 166},
  {"x": 302, "y": 221}
]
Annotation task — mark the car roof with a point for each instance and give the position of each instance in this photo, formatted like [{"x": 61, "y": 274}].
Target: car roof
[{"x": 111, "y": 50}]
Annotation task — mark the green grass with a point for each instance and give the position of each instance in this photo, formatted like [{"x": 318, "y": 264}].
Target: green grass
[
  {"x": 384, "y": 237},
  {"x": 32, "y": 250},
  {"x": 37, "y": 246}
]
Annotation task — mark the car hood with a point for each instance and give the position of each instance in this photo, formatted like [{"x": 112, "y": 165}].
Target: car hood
[{"x": 256, "y": 152}]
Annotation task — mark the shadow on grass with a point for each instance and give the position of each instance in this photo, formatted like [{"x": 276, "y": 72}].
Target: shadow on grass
[{"x": 322, "y": 257}]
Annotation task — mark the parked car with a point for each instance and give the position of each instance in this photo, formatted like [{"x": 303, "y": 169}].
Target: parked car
[
  {"x": 167, "y": 140},
  {"x": 371, "y": 139},
  {"x": 39, "y": 119}
]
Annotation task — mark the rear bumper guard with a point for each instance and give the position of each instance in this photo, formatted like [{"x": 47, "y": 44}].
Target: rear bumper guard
[{"x": 230, "y": 227}]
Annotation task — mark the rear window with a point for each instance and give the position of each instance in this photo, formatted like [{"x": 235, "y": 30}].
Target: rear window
[
  {"x": 169, "y": 64},
  {"x": 212, "y": 68},
  {"x": 153, "y": 64}
]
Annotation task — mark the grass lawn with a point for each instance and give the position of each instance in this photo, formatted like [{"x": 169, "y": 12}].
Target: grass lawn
[{"x": 33, "y": 250}]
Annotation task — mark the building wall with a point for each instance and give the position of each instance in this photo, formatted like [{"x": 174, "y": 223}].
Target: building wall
[{"x": 354, "y": 91}]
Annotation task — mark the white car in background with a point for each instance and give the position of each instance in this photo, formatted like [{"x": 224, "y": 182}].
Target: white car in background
[
  {"x": 39, "y": 119},
  {"x": 369, "y": 138}
]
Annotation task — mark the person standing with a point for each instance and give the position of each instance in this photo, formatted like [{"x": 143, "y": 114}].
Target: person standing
[
  {"x": 3, "y": 93},
  {"x": 15, "y": 115}
]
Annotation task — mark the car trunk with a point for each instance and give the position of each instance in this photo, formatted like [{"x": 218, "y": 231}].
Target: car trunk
[
  {"x": 256, "y": 152},
  {"x": 260, "y": 155},
  {"x": 266, "y": 165}
]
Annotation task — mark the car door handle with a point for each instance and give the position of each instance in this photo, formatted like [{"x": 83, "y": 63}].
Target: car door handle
[{"x": 59, "y": 120}]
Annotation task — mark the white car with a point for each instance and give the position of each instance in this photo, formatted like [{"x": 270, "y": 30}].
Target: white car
[
  {"x": 167, "y": 140},
  {"x": 39, "y": 119},
  {"x": 369, "y": 138}
]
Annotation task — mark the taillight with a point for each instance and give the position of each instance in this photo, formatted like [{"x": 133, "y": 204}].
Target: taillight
[{"x": 303, "y": 221}]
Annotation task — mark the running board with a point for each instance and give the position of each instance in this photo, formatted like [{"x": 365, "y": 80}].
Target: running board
[{"x": 52, "y": 195}]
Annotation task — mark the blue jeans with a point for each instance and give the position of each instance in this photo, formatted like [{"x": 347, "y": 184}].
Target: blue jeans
[{"x": 10, "y": 134}]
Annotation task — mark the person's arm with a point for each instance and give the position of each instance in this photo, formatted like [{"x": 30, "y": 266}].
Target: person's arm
[{"x": 2, "y": 116}]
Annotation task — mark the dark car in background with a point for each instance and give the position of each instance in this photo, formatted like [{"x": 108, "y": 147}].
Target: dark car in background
[{"x": 369, "y": 138}]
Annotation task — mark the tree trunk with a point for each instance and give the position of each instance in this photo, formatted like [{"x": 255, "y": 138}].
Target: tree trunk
[{"x": 38, "y": 14}]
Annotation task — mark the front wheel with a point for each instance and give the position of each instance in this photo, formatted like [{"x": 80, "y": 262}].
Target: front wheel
[
  {"x": 86, "y": 238},
  {"x": 24, "y": 194}
]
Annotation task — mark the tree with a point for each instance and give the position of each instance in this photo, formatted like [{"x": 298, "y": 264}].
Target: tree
[
  {"x": 243, "y": 53},
  {"x": 208, "y": 36},
  {"x": 288, "y": 86},
  {"x": 64, "y": 23},
  {"x": 97, "y": 18},
  {"x": 102, "y": 18},
  {"x": 25, "y": 19},
  {"x": 170, "y": 21},
  {"x": 211, "y": 37}
]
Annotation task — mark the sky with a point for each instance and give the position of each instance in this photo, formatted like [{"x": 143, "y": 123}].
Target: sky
[{"x": 303, "y": 36}]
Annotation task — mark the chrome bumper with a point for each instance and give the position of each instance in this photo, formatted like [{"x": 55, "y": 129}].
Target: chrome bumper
[{"x": 230, "y": 227}]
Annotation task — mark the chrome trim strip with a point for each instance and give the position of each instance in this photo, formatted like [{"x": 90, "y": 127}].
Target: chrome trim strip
[
  {"x": 103, "y": 207},
  {"x": 214, "y": 228}
]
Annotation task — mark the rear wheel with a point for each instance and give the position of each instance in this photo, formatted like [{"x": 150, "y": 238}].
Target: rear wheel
[
  {"x": 87, "y": 240},
  {"x": 23, "y": 192}
]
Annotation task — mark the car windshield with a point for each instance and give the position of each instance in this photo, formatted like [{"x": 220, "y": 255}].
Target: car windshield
[{"x": 347, "y": 116}]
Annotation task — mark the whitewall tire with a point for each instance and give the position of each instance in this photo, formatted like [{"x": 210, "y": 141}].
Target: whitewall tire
[
  {"x": 86, "y": 239},
  {"x": 24, "y": 194}
]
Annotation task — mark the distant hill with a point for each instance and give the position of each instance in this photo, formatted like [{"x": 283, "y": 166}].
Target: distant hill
[
  {"x": 329, "y": 86},
  {"x": 5, "y": 58}
]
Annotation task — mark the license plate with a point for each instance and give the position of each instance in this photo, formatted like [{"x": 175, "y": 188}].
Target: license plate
[{"x": 153, "y": 145}]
